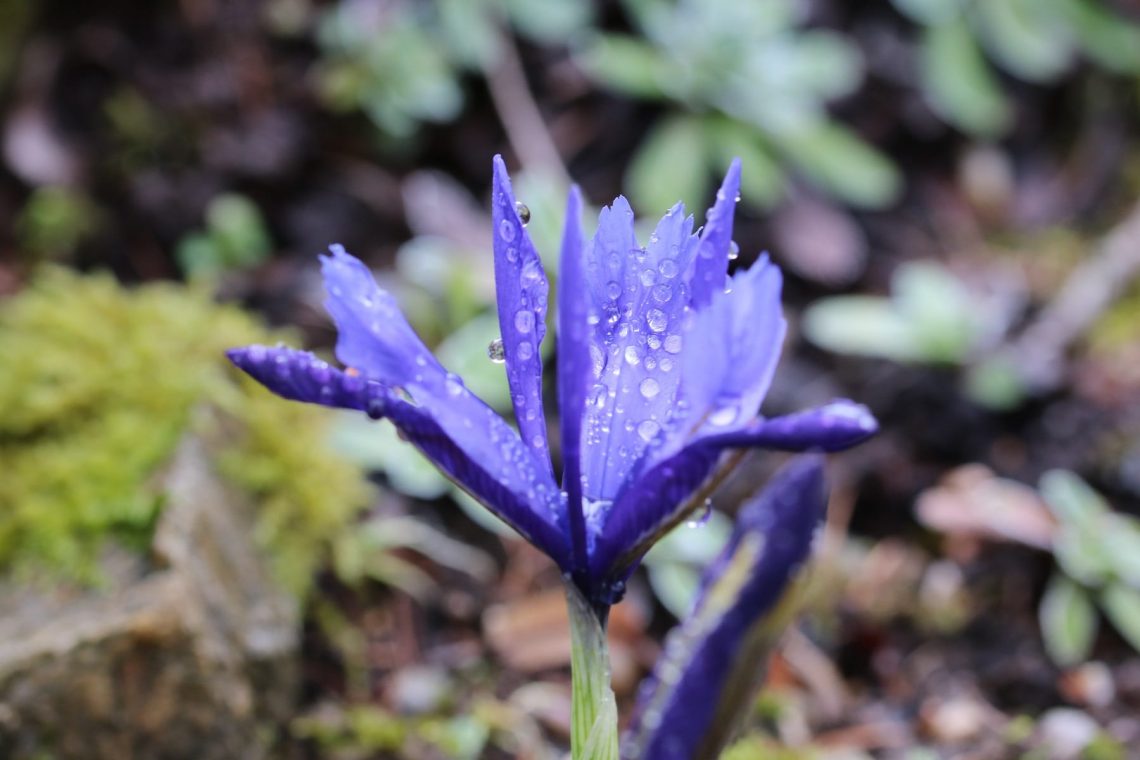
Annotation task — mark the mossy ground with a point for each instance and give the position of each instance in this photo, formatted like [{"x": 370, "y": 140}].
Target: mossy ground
[{"x": 99, "y": 384}]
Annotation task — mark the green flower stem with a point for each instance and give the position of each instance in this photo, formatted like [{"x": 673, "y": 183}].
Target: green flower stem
[{"x": 593, "y": 715}]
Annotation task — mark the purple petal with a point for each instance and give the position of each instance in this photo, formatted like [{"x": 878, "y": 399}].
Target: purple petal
[
  {"x": 521, "y": 290},
  {"x": 711, "y": 264},
  {"x": 727, "y": 375},
  {"x": 660, "y": 498},
  {"x": 300, "y": 376},
  {"x": 497, "y": 472},
  {"x": 638, "y": 305},
  {"x": 713, "y": 661},
  {"x": 573, "y": 367},
  {"x": 836, "y": 426}
]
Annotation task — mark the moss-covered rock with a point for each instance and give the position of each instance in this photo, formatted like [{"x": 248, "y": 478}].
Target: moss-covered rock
[{"x": 99, "y": 385}]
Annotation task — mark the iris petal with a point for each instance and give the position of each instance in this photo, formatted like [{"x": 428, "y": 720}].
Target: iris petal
[
  {"x": 573, "y": 367},
  {"x": 711, "y": 264},
  {"x": 639, "y": 300},
  {"x": 660, "y": 498},
  {"x": 497, "y": 470},
  {"x": 711, "y": 664},
  {"x": 520, "y": 289}
]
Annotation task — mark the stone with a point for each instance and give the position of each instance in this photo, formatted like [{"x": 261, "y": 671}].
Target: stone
[{"x": 187, "y": 653}]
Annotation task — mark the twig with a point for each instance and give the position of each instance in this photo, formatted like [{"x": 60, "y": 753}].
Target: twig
[
  {"x": 1093, "y": 286},
  {"x": 526, "y": 129}
]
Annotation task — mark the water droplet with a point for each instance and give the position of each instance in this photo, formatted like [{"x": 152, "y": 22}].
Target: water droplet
[
  {"x": 256, "y": 354},
  {"x": 613, "y": 290},
  {"x": 537, "y": 441},
  {"x": 650, "y": 363},
  {"x": 656, "y": 320},
  {"x": 526, "y": 350},
  {"x": 597, "y": 359},
  {"x": 506, "y": 230},
  {"x": 667, "y": 268},
  {"x": 649, "y": 387},
  {"x": 733, "y": 251},
  {"x": 700, "y": 517},
  {"x": 513, "y": 254},
  {"x": 736, "y": 198},
  {"x": 673, "y": 343},
  {"x": 648, "y": 277},
  {"x": 454, "y": 384},
  {"x": 662, "y": 293},
  {"x": 523, "y": 212},
  {"x": 597, "y": 396},
  {"x": 531, "y": 273},
  {"x": 524, "y": 320},
  {"x": 647, "y": 430},
  {"x": 496, "y": 352},
  {"x": 632, "y": 355},
  {"x": 725, "y": 415}
]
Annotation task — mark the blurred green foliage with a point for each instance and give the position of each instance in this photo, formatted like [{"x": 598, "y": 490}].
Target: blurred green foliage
[
  {"x": 55, "y": 221},
  {"x": 747, "y": 79},
  {"x": 930, "y": 317},
  {"x": 402, "y": 62},
  {"x": 99, "y": 385},
  {"x": 1035, "y": 41},
  {"x": 1098, "y": 557},
  {"x": 235, "y": 237}
]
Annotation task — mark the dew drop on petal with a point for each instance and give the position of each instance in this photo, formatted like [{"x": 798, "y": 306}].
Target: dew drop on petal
[
  {"x": 649, "y": 387},
  {"x": 613, "y": 290},
  {"x": 256, "y": 354},
  {"x": 524, "y": 320},
  {"x": 656, "y": 320},
  {"x": 496, "y": 352},
  {"x": 654, "y": 342},
  {"x": 597, "y": 359},
  {"x": 523, "y": 212},
  {"x": 531, "y": 273},
  {"x": 512, "y": 254},
  {"x": 673, "y": 343},
  {"x": 666, "y": 364},
  {"x": 648, "y": 277},
  {"x": 700, "y": 517},
  {"x": 733, "y": 251},
  {"x": 454, "y": 384},
  {"x": 526, "y": 350},
  {"x": 506, "y": 231},
  {"x": 662, "y": 293},
  {"x": 597, "y": 396},
  {"x": 667, "y": 268},
  {"x": 725, "y": 415},
  {"x": 632, "y": 355},
  {"x": 647, "y": 430},
  {"x": 536, "y": 441}
]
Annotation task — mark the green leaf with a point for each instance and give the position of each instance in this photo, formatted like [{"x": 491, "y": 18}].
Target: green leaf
[
  {"x": 469, "y": 31},
  {"x": 1068, "y": 621},
  {"x": 669, "y": 166},
  {"x": 464, "y": 352},
  {"x": 549, "y": 21},
  {"x": 625, "y": 64},
  {"x": 238, "y": 229},
  {"x": 958, "y": 82},
  {"x": 995, "y": 384},
  {"x": 761, "y": 179},
  {"x": 929, "y": 11},
  {"x": 377, "y": 446},
  {"x": 1108, "y": 39},
  {"x": 1028, "y": 40},
  {"x": 842, "y": 164},
  {"x": 1121, "y": 605},
  {"x": 939, "y": 309},
  {"x": 1072, "y": 501},
  {"x": 1081, "y": 555},
  {"x": 863, "y": 326},
  {"x": 1120, "y": 540},
  {"x": 198, "y": 256}
]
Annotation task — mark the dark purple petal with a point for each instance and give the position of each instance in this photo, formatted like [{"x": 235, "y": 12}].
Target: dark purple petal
[
  {"x": 660, "y": 498},
  {"x": 714, "y": 661},
  {"x": 521, "y": 290},
  {"x": 498, "y": 472},
  {"x": 638, "y": 306},
  {"x": 836, "y": 426},
  {"x": 300, "y": 376},
  {"x": 711, "y": 264},
  {"x": 573, "y": 368},
  {"x": 375, "y": 340}
]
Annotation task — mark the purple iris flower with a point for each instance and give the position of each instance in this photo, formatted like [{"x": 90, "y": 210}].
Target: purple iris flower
[{"x": 662, "y": 363}]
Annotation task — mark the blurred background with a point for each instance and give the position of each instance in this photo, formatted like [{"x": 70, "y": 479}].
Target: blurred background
[{"x": 192, "y": 568}]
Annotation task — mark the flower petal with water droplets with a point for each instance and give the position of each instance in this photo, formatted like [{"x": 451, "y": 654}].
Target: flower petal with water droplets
[
  {"x": 710, "y": 267},
  {"x": 520, "y": 289},
  {"x": 496, "y": 471}
]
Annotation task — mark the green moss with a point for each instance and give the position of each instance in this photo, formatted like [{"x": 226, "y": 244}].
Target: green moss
[{"x": 99, "y": 385}]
